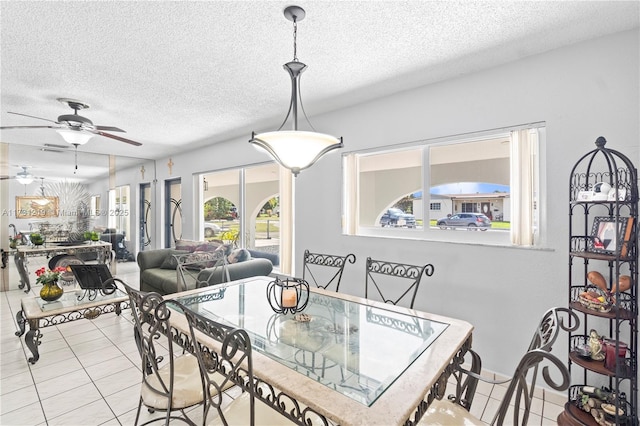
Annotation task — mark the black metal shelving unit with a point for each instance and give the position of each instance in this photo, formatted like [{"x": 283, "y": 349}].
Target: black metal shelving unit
[{"x": 617, "y": 317}]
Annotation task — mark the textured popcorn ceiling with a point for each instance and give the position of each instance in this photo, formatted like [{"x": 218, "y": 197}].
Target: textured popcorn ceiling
[{"x": 175, "y": 74}]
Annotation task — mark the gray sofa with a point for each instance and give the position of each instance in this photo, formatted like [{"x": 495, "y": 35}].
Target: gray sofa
[{"x": 157, "y": 275}]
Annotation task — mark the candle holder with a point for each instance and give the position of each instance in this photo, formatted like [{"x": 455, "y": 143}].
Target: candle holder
[{"x": 288, "y": 296}]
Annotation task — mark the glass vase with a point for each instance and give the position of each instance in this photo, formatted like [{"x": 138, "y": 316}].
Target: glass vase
[{"x": 51, "y": 291}]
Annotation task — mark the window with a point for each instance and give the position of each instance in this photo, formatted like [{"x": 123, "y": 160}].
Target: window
[
  {"x": 469, "y": 208},
  {"x": 493, "y": 174},
  {"x": 244, "y": 206}
]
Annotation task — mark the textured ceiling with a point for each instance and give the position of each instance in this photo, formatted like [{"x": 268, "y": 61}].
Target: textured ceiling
[{"x": 177, "y": 75}]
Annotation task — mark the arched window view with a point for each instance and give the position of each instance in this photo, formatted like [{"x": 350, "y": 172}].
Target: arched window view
[{"x": 221, "y": 220}]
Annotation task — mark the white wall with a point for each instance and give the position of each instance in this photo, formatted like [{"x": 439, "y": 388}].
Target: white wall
[{"x": 581, "y": 92}]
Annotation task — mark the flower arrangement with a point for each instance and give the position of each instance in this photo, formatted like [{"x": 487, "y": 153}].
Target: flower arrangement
[
  {"x": 49, "y": 276},
  {"x": 15, "y": 240}
]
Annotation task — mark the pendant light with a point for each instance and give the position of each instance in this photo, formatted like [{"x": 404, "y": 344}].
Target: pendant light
[
  {"x": 295, "y": 149},
  {"x": 42, "y": 201}
]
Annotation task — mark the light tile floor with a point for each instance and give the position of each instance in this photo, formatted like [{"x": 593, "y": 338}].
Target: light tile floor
[{"x": 88, "y": 372}]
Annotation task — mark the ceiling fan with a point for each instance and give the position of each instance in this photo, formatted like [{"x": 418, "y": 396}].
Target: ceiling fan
[
  {"x": 23, "y": 177},
  {"x": 74, "y": 128}
]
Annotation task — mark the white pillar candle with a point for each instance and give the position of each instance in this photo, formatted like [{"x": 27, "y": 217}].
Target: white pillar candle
[{"x": 289, "y": 298}]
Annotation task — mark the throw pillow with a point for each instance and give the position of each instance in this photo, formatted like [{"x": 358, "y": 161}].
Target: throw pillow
[
  {"x": 192, "y": 246},
  {"x": 239, "y": 255},
  {"x": 170, "y": 262}
]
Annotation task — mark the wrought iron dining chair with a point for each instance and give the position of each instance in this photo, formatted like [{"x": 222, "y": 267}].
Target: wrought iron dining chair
[
  {"x": 518, "y": 397},
  {"x": 169, "y": 384},
  {"x": 319, "y": 263},
  {"x": 396, "y": 274},
  {"x": 225, "y": 358}
]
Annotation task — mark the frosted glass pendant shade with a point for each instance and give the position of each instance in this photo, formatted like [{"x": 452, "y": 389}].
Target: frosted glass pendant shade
[{"x": 296, "y": 150}]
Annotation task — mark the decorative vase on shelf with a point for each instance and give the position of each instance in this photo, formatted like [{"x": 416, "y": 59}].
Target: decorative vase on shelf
[{"x": 51, "y": 291}]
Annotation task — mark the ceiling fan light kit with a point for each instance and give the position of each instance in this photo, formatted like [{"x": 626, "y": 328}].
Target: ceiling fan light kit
[
  {"x": 74, "y": 136},
  {"x": 294, "y": 149},
  {"x": 74, "y": 128},
  {"x": 24, "y": 177},
  {"x": 24, "y": 180}
]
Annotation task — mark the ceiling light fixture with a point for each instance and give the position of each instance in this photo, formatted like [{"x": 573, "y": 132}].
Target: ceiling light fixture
[
  {"x": 24, "y": 180},
  {"x": 295, "y": 149},
  {"x": 24, "y": 177},
  {"x": 74, "y": 136}
]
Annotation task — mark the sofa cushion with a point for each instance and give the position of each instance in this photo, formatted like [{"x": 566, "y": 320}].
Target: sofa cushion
[
  {"x": 163, "y": 281},
  {"x": 273, "y": 257},
  {"x": 170, "y": 262}
]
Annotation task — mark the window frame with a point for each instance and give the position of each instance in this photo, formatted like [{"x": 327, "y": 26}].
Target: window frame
[{"x": 351, "y": 184}]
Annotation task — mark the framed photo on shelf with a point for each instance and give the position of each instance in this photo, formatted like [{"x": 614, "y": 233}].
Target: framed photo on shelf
[{"x": 605, "y": 238}]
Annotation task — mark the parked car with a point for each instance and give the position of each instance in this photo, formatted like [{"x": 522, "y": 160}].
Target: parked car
[
  {"x": 396, "y": 217},
  {"x": 472, "y": 221},
  {"x": 211, "y": 229}
]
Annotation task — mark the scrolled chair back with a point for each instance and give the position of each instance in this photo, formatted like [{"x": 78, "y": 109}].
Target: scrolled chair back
[
  {"x": 519, "y": 395},
  {"x": 412, "y": 273},
  {"x": 168, "y": 384},
  {"x": 225, "y": 358},
  {"x": 313, "y": 262},
  {"x": 550, "y": 325}
]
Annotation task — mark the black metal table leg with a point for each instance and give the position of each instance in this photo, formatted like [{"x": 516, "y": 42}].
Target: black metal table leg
[
  {"x": 21, "y": 266},
  {"x": 32, "y": 339},
  {"x": 21, "y": 320}
]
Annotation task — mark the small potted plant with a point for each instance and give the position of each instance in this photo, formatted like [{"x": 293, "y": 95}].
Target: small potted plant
[{"x": 15, "y": 241}]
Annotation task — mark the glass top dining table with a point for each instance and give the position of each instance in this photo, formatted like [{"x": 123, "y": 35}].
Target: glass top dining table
[{"x": 344, "y": 351}]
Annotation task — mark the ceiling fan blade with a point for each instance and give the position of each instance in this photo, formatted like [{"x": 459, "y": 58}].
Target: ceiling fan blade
[
  {"x": 4, "y": 177},
  {"x": 32, "y": 116},
  {"x": 118, "y": 138},
  {"x": 110, "y": 129},
  {"x": 29, "y": 127}
]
